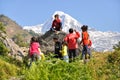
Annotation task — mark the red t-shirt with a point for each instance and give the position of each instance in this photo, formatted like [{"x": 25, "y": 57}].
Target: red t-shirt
[
  {"x": 56, "y": 23},
  {"x": 71, "y": 39}
]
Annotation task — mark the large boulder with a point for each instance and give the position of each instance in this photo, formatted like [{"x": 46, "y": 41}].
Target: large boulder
[{"x": 46, "y": 40}]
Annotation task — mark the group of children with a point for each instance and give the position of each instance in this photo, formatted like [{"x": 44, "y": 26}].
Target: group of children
[{"x": 68, "y": 49}]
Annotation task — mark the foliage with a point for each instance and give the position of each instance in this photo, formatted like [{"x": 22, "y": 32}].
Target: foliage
[
  {"x": 58, "y": 70},
  {"x": 114, "y": 58},
  {"x": 3, "y": 49},
  {"x": 98, "y": 68},
  {"x": 7, "y": 70},
  {"x": 117, "y": 46},
  {"x": 2, "y": 28}
]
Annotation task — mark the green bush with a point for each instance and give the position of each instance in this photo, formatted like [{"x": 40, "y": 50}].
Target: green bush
[
  {"x": 113, "y": 65},
  {"x": 114, "y": 57},
  {"x": 7, "y": 70},
  {"x": 117, "y": 46},
  {"x": 58, "y": 70},
  {"x": 2, "y": 28},
  {"x": 3, "y": 49}
]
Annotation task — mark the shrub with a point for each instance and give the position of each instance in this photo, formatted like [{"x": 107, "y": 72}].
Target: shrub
[
  {"x": 114, "y": 57},
  {"x": 2, "y": 28},
  {"x": 3, "y": 49},
  {"x": 7, "y": 70},
  {"x": 117, "y": 46}
]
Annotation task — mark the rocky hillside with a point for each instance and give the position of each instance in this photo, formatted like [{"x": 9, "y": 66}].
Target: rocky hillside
[
  {"x": 8, "y": 46},
  {"x": 12, "y": 28}
]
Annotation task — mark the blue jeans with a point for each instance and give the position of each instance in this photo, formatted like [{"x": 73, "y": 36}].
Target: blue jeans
[
  {"x": 89, "y": 52},
  {"x": 65, "y": 58},
  {"x": 86, "y": 51}
]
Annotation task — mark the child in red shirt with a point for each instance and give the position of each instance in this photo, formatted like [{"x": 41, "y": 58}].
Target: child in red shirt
[
  {"x": 56, "y": 24},
  {"x": 71, "y": 40}
]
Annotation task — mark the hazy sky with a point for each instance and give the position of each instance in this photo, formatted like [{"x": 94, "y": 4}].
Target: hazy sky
[{"x": 102, "y": 15}]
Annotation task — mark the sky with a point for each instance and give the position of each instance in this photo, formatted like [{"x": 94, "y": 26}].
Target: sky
[{"x": 103, "y": 15}]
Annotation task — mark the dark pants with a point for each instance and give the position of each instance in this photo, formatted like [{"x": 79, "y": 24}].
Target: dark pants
[
  {"x": 34, "y": 57},
  {"x": 85, "y": 51},
  {"x": 72, "y": 54}
]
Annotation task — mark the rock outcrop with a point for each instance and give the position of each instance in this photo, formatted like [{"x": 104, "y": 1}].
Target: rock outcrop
[{"x": 14, "y": 50}]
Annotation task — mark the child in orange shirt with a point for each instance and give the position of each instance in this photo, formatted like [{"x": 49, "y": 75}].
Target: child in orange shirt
[{"x": 84, "y": 41}]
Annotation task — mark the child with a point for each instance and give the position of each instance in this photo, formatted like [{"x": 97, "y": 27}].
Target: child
[
  {"x": 58, "y": 47},
  {"x": 71, "y": 40},
  {"x": 56, "y": 24},
  {"x": 34, "y": 50},
  {"x": 64, "y": 52},
  {"x": 84, "y": 41}
]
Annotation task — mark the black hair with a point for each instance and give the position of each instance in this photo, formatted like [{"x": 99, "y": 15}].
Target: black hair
[
  {"x": 34, "y": 39},
  {"x": 71, "y": 30},
  {"x": 84, "y": 27},
  {"x": 56, "y": 15}
]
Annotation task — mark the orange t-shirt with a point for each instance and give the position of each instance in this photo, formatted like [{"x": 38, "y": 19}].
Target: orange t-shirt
[{"x": 85, "y": 38}]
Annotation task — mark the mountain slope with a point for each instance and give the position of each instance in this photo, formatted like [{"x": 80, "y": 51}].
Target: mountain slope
[
  {"x": 12, "y": 28},
  {"x": 102, "y": 41}
]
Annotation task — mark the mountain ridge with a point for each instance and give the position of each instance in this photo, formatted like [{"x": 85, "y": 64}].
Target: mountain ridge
[{"x": 13, "y": 29}]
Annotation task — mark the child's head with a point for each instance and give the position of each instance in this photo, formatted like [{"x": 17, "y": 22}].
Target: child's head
[
  {"x": 71, "y": 30},
  {"x": 56, "y": 16},
  {"x": 84, "y": 28},
  {"x": 34, "y": 39}
]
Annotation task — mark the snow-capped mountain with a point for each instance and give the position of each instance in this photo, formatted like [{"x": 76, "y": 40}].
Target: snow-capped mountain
[
  {"x": 102, "y": 41},
  {"x": 67, "y": 22}
]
